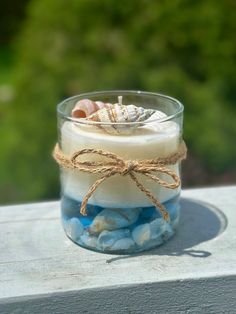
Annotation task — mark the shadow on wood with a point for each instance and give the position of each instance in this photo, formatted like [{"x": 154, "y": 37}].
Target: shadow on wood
[{"x": 199, "y": 222}]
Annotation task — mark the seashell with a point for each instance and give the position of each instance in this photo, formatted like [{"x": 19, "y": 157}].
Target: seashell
[
  {"x": 115, "y": 218},
  {"x": 162, "y": 125},
  {"x": 157, "y": 115},
  {"x": 119, "y": 113},
  {"x": 85, "y": 107}
]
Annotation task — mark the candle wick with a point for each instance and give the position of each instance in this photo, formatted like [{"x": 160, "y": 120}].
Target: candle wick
[{"x": 120, "y": 100}]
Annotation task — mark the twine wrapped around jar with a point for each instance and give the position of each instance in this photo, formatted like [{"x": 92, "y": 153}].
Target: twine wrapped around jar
[{"x": 120, "y": 166}]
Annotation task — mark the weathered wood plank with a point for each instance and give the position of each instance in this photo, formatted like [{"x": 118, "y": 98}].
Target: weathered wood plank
[
  {"x": 36, "y": 211},
  {"x": 187, "y": 296},
  {"x": 38, "y": 262}
]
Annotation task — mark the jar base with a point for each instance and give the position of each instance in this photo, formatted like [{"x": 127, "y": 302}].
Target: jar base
[
  {"x": 124, "y": 251},
  {"x": 119, "y": 230}
]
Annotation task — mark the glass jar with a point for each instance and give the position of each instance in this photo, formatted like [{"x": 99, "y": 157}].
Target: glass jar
[{"x": 120, "y": 218}]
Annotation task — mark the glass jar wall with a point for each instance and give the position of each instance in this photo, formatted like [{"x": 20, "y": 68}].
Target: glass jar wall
[{"x": 120, "y": 218}]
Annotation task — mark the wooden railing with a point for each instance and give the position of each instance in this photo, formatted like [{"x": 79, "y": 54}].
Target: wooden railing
[{"x": 42, "y": 271}]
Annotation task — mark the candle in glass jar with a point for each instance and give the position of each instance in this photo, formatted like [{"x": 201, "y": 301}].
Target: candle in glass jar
[{"x": 129, "y": 211}]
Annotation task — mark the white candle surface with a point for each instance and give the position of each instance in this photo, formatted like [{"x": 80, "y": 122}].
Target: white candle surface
[{"x": 149, "y": 141}]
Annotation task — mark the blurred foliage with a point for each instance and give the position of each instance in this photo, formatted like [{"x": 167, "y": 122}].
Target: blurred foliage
[
  {"x": 11, "y": 14},
  {"x": 186, "y": 49}
]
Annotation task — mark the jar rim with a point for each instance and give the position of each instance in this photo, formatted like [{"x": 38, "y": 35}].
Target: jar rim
[{"x": 65, "y": 116}]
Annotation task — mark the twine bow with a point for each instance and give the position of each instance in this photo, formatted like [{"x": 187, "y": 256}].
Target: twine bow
[{"x": 120, "y": 166}]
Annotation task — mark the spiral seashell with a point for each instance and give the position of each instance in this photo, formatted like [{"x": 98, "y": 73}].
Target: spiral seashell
[
  {"x": 85, "y": 107},
  {"x": 121, "y": 114}
]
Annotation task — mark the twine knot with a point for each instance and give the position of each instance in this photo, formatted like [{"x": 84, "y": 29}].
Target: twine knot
[
  {"x": 129, "y": 166},
  {"x": 118, "y": 165}
]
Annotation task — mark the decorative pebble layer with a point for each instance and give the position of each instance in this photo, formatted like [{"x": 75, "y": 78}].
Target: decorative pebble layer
[{"x": 118, "y": 230}]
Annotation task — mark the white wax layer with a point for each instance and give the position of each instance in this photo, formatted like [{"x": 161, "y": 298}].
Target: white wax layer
[{"x": 150, "y": 141}]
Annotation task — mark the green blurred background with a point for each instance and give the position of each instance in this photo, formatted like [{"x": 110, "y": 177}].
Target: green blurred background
[{"x": 52, "y": 49}]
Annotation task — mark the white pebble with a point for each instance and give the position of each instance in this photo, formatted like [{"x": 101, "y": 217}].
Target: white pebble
[
  {"x": 145, "y": 233},
  {"x": 112, "y": 219},
  {"x": 88, "y": 240},
  {"x": 175, "y": 223},
  {"x": 74, "y": 228},
  {"x": 168, "y": 232},
  {"x": 123, "y": 244},
  {"x": 141, "y": 234},
  {"x": 158, "y": 226},
  {"x": 107, "y": 238}
]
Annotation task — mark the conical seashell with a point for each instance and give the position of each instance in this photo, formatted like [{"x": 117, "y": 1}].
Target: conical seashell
[
  {"x": 121, "y": 114},
  {"x": 85, "y": 107}
]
